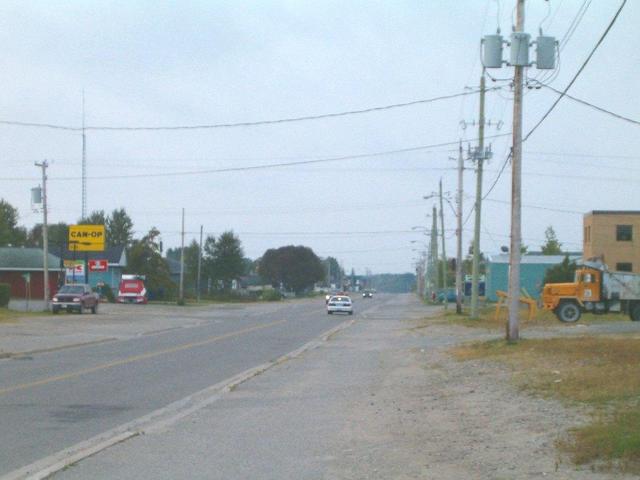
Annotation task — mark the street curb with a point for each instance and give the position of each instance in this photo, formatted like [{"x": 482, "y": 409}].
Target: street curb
[
  {"x": 9, "y": 355},
  {"x": 158, "y": 419}
]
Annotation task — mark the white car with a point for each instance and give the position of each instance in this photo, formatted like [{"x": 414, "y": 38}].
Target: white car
[{"x": 340, "y": 303}]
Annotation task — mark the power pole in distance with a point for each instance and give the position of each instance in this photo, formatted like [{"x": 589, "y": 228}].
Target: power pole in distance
[
  {"x": 181, "y": 292},
  {"x": 84, "y": 164},
  {"x": 459, "y": 291},
  {"x": 45, "y": 234},
  {"x": 444, "y": 255},
  {"x": 199, "y": 266}
]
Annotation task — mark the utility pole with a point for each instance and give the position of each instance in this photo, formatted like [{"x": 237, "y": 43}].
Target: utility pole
[
  {"x": 45, "y": 233},
  {"x": 181, "y": 292},
  {"x": 444, "y": 255},
  {"x": 433, "y": 249},
  {"x": 475, "y": 269},
  {"x": 84, "y": 164},
  {"x": 513, "y": 333},
  {"x": 199, "y": 266},
  {"x": 459, "y": 292}
]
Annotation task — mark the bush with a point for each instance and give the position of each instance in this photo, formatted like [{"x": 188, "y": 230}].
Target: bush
[
  {"x": 271, "y": 295},
  {"x": 5, "y": 293},
  {"x": 106, "y": 291}
]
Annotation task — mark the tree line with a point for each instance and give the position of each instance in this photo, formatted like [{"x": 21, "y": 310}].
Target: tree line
[{"x": 294, "y": 268}]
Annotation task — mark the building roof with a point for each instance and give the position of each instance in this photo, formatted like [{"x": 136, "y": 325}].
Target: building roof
[
  {"x": 613, "y": 212},
  {"x": 115, "y": 256},
  {"x": 26, "y": 259},
  {"x": 174, "y": 266},
  {"x": 535, "y": 259}
]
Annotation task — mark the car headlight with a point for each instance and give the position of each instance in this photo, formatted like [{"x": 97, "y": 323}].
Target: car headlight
[
  {"x": 76, "y": 299},
  {"x": 55, "y": 299}
]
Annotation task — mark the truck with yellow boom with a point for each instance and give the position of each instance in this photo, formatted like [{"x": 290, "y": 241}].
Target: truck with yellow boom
[{"x": 594, "y": 290}]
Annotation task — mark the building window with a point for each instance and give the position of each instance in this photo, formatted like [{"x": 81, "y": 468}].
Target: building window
[
  {"x": 624, "y": 267},
  {"x": 624, "y": 233},
  {"x": 587, "y": 234}
]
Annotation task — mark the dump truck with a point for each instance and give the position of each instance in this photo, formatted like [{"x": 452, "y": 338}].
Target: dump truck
[{"x": 594, "y": 290}]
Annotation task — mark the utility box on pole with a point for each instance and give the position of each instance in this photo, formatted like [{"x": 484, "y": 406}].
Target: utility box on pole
[
  {"x": 492, "y": 51},
  {"x": 546, "y": 52},
  {"x": 519, "y": 49}
]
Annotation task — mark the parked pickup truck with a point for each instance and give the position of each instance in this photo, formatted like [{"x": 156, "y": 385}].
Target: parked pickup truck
[{"x": 75, "y": 297}]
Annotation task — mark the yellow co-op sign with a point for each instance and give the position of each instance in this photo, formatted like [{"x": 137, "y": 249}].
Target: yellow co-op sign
[{"x": 86, "y": 238}]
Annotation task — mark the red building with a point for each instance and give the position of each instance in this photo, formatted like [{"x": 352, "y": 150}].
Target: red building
[{"x": 22, "y": 268}]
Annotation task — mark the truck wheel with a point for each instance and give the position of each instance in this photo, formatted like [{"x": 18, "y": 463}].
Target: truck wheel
[
  {"x": 635, "y": 313},
  {"x": 94, "y": 309},
  {"x": 55, "y": 310},
  {"x": 568, "y": 312}
]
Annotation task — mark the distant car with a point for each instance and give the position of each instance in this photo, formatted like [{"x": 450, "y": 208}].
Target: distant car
[
  {"x": 132, "y": 290},
  {"x": 367, "y": 294},
  {"x": 340, "y": 303},
  {"x": 75, "y": 298}
]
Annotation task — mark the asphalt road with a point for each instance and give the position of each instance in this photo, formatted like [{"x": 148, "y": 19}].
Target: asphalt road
[{"x": 53, "y": 400}]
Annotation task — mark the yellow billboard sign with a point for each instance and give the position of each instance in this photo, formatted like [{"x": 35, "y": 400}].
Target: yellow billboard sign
[{"x": 86, "y": 238}]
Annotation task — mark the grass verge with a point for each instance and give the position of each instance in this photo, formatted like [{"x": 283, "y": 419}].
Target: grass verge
[
  {"x": 600, "y": 373},
  {"x": 12, "y": 316},
  {"x": 488, "y": 320}
]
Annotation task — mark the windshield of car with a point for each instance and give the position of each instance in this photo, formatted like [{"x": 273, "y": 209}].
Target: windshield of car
[
  {"x": 340, "y": 299},
  {"x": 71, "y": 289}
]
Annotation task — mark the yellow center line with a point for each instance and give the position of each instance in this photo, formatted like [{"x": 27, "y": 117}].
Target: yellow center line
[{"x": 137, "y": 358}]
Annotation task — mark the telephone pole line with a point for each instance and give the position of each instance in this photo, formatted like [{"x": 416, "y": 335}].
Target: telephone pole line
[
  {"x": 45, "y": 233},
  {"x": 475, "y": 269},
  {"x": 181, "y": 292},
  {"x": 199, "y": 267},
  {"x": 444, "y": 255},
  {"x": 513, "y": 327},
  {"x": 459, "y": 291},
  {"x": 84, "y": 163}
]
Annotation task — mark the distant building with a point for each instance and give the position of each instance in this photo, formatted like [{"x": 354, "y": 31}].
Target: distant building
[
  {"x": 116, "y": 258},
  {"x": 533, "y": 267},
  {"x": 613, "y": 236},
  {"x": 23, "y": 269}
]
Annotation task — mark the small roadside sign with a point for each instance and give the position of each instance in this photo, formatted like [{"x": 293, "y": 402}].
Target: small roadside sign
[
  {"x": 86, "y": 238},
  {"x": 75, "y": 269},
  {"x": 98, "y": 265}
]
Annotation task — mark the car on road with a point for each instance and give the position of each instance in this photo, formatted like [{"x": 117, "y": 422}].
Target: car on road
[
  {"x": 75, "y": 297},
  {"x": 367, "y": 294},
  {"x": 340, "y": 303}
]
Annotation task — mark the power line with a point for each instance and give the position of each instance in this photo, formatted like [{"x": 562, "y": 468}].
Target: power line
[
  {"x": 241, "y": 124},
  {"x": 575, "y": 77},
  {"x": 258, "y": 167},
  {"x": 595, "y": 107}
]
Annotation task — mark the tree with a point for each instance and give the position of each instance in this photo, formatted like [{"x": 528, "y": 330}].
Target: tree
[
  {"x": 10, "y": 233},
  {"x": 552, "y": 245},
  {"x": 191, "y": 252},
  {"x": 144, "y": 258},
  {"x": 561, "y": 273},
  {"x": 227, "y": 259},
  {"x": 333, "y": 271},
  {"x": 97, "y": 217},
  {"x": 58, "y": 235},
  {"x": 119, "y": 228},
  {"x": 296, "y": 267}
]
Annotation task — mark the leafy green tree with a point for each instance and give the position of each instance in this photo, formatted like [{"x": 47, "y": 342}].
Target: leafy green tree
[
  {"x": 552, "y": 246},
  {"x": 58, "y": 234},
  {"x": 191, "y": 252},
  {"x": 333, "y": 270},
  {"x": 144, "y": 258},
  {"x": 10, "y": 233},
  {"x": 119, "y": 228},
  {"x": 561, "y": 273},
  {"x": 97, "y": 217},
  {"x": 297, "y": 267},
  {"x": 227, "y": 259}
]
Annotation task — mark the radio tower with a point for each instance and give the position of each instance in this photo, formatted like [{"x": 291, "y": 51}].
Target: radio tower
[{"x": 84, "y": 165}]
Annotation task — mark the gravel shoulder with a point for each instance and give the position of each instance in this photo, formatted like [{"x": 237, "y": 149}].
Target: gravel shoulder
[{"x": 380, "y": 400}]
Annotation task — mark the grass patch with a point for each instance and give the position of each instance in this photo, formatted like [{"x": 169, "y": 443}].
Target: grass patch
[
  {"x": 12, "y": 316},
  {"x": 487, "y": 319},
  {"x": 601, "y": 373}
]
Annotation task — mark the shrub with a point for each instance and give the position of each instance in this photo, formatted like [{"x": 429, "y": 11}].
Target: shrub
[
  {"x": 5, "y": 293},
  {"x": 271, "y": 295},
  {"x": 106, "y": 291}
]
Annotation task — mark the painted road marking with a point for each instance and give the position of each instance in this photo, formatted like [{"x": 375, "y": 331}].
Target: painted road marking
[{"x": 137, "y": 358}]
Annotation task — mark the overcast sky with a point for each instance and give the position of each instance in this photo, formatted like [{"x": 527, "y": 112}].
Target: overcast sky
[{"x": 209, "y": 62}]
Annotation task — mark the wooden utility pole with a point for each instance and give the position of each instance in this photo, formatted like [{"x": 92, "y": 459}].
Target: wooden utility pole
[
  {"x": 513, "y": 333},
  {"x": 45, "y": 234},
  {"x": 459, "y": 290},
  {"x": 444, "y": 255},
  {"x": 475, "y": 269},
  {"x": 199, "y": 267},
  {"x": 181, "y": 293}
]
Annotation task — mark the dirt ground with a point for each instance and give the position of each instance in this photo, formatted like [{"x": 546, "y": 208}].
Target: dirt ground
[{"x": 456, "y": 420}]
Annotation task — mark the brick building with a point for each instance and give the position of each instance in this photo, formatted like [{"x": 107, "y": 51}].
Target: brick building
[{"x": 613, "y": 236}]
